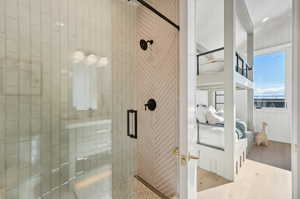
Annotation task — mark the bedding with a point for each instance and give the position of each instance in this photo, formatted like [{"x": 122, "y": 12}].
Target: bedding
[
  {"x": 213, "y": 134},
  {"x": 216, "y": 65},
  {"x": 212, "y": 117},
  {"x": 201, "y": 113},
  {"x": 220, "y": 113}
]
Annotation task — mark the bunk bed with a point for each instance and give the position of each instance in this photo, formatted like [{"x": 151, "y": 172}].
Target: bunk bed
[
  {"x": 210, "y": 70},
  {"x": 210, "y": 143},
  {"x": 210, "y": 138}
]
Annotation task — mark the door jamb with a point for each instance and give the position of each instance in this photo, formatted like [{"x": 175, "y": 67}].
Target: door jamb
[
  {"x": 187, "y": 188},
  {"x": 295, "y": 113}
]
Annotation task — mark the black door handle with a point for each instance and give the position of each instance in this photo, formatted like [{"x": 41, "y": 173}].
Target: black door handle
[{"x": 132, "y": 128}]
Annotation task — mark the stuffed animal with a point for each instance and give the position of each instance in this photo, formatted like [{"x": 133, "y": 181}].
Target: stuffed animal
[{"x": 261, "y": 138}]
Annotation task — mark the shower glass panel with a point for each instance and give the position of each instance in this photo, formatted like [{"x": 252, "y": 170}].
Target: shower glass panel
[{"x": 66, "y": 82}]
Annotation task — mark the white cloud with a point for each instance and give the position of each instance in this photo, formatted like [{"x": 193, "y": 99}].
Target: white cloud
[{"x": 276, "y": 91}]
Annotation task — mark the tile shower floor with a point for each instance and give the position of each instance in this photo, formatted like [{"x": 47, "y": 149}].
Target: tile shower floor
[{"x": 99, "y": 184}]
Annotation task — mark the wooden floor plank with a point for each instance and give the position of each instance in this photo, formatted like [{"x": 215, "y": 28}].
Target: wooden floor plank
[{"x": 255, "y": 181}]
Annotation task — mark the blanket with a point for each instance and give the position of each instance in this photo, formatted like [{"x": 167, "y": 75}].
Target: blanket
[{"x": 241, "y": 128}]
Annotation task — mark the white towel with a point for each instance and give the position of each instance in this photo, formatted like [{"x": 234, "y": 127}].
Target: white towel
[{"x": 84, "y": 86}]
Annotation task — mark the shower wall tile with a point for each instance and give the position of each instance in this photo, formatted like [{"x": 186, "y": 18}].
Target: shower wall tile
[
  {"x": 35, "y": 127},
  {"x": 2, "y": 193},
  {"x": 24, "y": 154},
  {"x": 12, "y": 107},
  {"x": 35, "y": 93},
  {"x": 55, "y": 157},
  {"x": 2, "y": 170},
  {"x": 157, "y": 77},
  {"x": 25, "y": 128},
  {"x": 2, "y": 129},
  {"x": 24, "y": 181},
  {"x": 2, "y": 180},
  {"x": 11, "y": 8},
  {"x": 12, "y": 132},
  {"x": 12, "y": 173},
  {"x": 55, "y": 179},
  {"x": 45, "y": 183},
  {"x": 12, "y": 193},
  {"x": 11, "y": 80}
]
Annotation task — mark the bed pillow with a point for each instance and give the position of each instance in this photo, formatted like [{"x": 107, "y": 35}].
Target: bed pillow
[
  {"x": 213, "y": 118},
  {"x": 212, "y": 109},
  {"x": 201, "y": 113},
  {"x": 220, "y": 113}
]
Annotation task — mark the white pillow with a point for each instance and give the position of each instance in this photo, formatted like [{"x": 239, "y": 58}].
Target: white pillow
[
  {"x": 212, "y": 109},
  {"x": 213, "y": 118},
  {"x": 220, "y": 113},
  {"x": 201, "y": 114}
]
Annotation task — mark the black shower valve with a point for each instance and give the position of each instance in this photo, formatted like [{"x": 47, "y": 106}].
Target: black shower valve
[
  {"x": 151, "y": 105},
  {"x": 145, "y": 44}
]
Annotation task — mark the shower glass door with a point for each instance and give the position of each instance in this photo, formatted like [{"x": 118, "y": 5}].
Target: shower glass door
[{"x": 66, "y": 83}]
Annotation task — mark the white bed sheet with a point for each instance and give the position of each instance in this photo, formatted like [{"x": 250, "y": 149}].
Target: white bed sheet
[
  {"x": 212, "y": 67},
  {"x": 211, "y": 135}
]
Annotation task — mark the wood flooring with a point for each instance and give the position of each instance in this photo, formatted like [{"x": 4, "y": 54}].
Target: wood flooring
[{"x": 255, "y": 181}]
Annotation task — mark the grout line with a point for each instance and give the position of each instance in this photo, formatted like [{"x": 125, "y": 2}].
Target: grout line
[{"x": 153, "y": 189}]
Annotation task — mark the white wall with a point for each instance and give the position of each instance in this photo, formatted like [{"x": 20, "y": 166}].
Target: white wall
[
  {"x": 278, "y": 120},
  {"x": 241, "y": 105},
  {"x": 202, "y": 97}
]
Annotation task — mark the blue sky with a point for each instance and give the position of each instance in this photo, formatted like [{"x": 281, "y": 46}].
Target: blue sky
[{"x": 269, "y": 75}]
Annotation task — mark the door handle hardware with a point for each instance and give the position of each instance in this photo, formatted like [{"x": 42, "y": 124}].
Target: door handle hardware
[
  {"x": 132, "y": 123},
  {"x": 184, "y": 158}
]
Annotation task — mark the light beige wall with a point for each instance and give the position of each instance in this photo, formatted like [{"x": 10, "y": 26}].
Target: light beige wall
[
  {"x": 39, "y": 153},
  {"x": 157, "y": 77}
]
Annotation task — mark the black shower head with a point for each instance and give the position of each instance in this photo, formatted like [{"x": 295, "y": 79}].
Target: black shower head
[{"x": 144, "y": 44}]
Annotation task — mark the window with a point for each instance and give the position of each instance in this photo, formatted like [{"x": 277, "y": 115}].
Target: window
[
  {"x": 219, "y": 100},
  {"x": 269, "y": 80}
]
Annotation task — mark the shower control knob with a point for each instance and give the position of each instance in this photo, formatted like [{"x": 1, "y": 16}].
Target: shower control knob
[{"x": 151, "y": 105}]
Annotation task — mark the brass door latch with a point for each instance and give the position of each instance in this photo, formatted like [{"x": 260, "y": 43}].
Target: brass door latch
[{"x": 184, "y": 158}]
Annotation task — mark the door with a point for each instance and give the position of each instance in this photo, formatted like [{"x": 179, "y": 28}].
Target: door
[
  {"x": 187, "y": 94},
  {"x": 66, "y": 79}
]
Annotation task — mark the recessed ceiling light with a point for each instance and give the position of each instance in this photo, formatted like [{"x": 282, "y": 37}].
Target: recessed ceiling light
[{"x": 265, "y": 19}]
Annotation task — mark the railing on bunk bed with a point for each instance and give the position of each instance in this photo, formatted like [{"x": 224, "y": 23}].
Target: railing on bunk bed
[
  {"x": 242, "y": 66},
  {"x": 203, "y": 144}
]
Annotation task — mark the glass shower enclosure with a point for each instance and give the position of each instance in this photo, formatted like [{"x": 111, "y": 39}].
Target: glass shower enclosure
[{"x": 66, "y": 82}]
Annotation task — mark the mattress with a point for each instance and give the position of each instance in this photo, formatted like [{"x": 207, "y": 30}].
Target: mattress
[
  {"x": 214, "y": 66},
  {"x": 212, "y": 135}
]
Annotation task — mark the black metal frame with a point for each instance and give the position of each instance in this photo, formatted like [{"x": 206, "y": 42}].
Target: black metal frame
[
  {"x": 203, "y": 144},
  {"x": 218, "y": 95},
  {"x": 129, "y": 134},
  {"x": 243, "y": 69},
  {"x": 144, "y": 3}
]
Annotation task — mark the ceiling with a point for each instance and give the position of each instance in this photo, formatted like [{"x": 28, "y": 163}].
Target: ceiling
[
  {"x": 210, "y": 22},
  {"x": 260, "y": 9}
]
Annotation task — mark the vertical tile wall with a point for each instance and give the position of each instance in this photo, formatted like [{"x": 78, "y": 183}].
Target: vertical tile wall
[
  {"x": 47, "y": 147},
  {"x": 157, "y": 77}
]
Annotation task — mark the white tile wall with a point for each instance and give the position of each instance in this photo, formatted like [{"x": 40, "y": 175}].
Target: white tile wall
[
  {"x": 39, "y": 156},
  {"x": 157, "y": 77}
]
